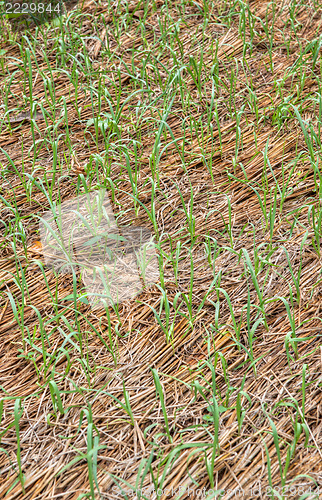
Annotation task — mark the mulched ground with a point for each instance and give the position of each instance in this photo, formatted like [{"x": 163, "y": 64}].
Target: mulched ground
[{"x": 49, "y": 440}]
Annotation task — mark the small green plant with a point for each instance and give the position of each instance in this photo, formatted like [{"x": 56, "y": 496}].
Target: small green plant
[{"x": 159, "y": 393}]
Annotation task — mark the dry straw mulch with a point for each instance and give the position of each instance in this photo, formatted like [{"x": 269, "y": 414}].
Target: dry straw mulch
[{"x": 50, "y": 440}]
